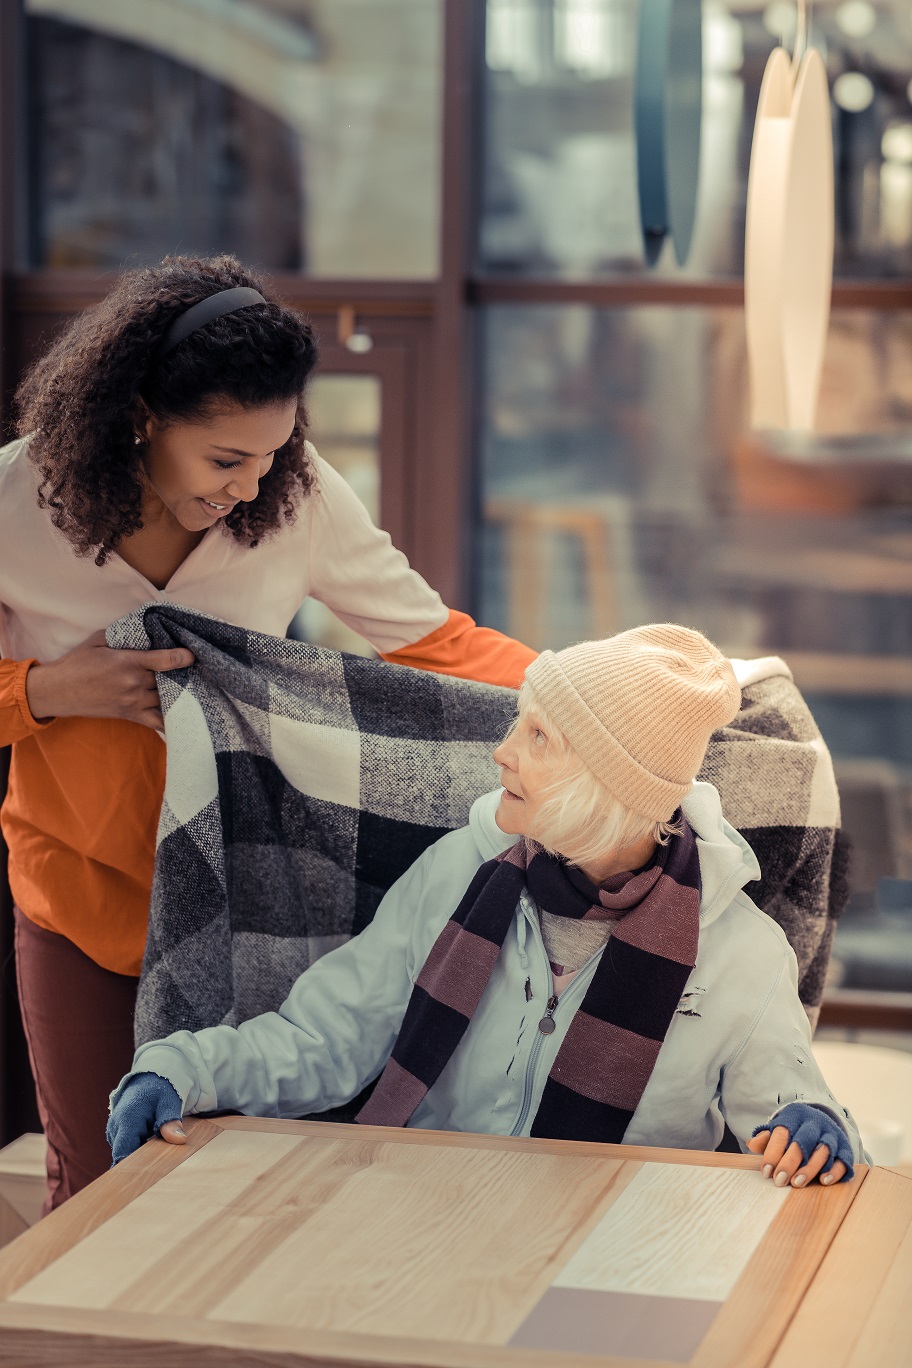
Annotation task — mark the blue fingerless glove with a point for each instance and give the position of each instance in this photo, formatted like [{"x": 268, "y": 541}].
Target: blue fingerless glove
[
  {"x": 809, "y": 1127},
  {"x": 144, "y": 1104}
]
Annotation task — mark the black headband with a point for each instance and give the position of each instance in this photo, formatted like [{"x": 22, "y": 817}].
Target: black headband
[{"x": 198, "y": 315}]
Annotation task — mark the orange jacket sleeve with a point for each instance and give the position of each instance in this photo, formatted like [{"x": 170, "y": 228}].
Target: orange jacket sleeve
[
  {"x": 16, "y": 720},
  {"x": 461, "y": 648}
]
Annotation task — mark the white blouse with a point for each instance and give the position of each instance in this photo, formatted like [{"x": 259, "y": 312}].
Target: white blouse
[{"x": 51, "y": 599}]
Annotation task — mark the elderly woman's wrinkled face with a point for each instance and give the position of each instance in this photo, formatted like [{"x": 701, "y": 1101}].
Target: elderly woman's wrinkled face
[{"x": 525, "y": 759}]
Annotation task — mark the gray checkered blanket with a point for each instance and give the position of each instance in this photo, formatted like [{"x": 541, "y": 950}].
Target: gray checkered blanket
[{"x": 301, "y": 783}]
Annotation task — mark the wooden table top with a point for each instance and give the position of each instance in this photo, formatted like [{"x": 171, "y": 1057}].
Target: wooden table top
[{"x": 292, "y": 1243}]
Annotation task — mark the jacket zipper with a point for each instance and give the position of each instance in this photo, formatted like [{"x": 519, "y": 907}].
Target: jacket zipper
[
  {"x": 527, "y": 1084},
  {"x": 542, "y": 1034},
  {"x": 546, "y": 1025}
]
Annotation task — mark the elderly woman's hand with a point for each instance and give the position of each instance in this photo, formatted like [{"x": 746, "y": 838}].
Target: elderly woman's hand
[
  {"x": 800, "y": 1143},
  {"x": 146, "y": 1105}
]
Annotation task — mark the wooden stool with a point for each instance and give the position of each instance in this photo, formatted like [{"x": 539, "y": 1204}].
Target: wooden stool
[
  {"x": 603, "y": 531},
  {"x": 23, "y": 1183}
]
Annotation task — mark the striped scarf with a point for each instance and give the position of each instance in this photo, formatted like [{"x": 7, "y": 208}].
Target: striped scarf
[{"x": 611, "y": 1046}]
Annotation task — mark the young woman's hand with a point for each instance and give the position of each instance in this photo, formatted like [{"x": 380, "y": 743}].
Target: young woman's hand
[
  {"x": 93, "y": 680},
  {"x": 801, "y": 1143}
]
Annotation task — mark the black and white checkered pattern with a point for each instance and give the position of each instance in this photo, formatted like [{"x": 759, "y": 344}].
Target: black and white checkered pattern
[
  {"x": 301, "y": 783},
  {"x": 775, "y": 777}
]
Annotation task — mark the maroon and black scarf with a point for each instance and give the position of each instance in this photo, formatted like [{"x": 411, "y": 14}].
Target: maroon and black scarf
[{"x": 610, "y": 1049}]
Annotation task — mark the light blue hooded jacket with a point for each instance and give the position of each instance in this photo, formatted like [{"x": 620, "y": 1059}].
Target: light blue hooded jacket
[{"x": 738, "y": 1048}]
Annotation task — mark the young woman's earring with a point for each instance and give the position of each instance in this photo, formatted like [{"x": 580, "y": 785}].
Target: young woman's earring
[{"x": 137, "y": 441}]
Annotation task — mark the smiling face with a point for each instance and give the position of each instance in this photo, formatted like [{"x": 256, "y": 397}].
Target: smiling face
[
  {"x": 200, "y": 470},
  {"x": 526, "y": 760}
]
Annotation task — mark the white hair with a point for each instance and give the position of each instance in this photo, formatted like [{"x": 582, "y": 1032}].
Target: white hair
[{"x": 578, "y": 817}]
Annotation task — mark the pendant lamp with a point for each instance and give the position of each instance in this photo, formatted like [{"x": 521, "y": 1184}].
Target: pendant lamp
[
  {"x": 668, "y": 100},
  {"x": 788, "y": 256}
]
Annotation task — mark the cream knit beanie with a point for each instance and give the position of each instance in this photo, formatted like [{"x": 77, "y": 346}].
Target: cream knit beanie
[{"x": 639, "y": 709}]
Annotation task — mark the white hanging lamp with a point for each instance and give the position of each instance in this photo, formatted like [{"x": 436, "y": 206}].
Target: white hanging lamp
[{"x": 788, "y": 256}]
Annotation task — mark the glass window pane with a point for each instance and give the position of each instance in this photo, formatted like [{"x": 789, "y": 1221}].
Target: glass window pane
[
  {"x": 280, "y": 130},
  {"x": 621, "y": 485},
  {"x": 560, "y": 173},
  {"x": 345, "y": 428}
]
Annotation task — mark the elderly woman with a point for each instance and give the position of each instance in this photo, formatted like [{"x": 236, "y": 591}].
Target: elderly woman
[{"x": 580, "y": 961}]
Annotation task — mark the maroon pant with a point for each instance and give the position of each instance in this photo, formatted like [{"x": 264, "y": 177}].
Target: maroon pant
[{"x": 78, "y": 1021}]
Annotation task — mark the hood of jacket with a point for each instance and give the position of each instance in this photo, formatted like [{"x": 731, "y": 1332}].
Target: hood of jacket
[{"x": 727, "y": 862}]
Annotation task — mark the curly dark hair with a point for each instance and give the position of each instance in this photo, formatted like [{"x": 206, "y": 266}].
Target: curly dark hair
[{"x": 82, "y": 401}]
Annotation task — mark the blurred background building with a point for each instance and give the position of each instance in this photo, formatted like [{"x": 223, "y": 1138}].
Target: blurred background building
[{"x": 556, "y": 437}]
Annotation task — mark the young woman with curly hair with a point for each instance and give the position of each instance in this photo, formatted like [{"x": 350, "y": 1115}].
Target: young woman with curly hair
[{"x": 162, "y": 455}]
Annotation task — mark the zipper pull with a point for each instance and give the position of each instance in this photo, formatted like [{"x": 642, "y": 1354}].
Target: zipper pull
[
  {"x": 546, "y": 1025},
  {"x": 528, "y": 990}
]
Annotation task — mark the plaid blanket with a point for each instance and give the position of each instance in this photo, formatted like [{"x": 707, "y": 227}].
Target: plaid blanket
[
  {"x": 301, "y": 783},
  {"x": 775, "y": 777}
]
